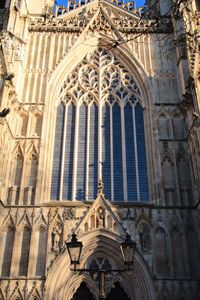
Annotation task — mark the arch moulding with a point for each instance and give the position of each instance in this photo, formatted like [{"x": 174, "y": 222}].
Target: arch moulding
[{"x": 62, "y": 283}]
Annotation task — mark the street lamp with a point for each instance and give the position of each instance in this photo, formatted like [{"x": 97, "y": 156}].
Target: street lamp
[
  {"x": 128, "y": 248},
  {"x": 74, "y": 249}
]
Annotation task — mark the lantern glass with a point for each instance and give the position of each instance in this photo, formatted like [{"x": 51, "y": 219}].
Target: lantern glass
[
  {"x": 128, "y": 248},
  {"x": 74, "y": 249}
]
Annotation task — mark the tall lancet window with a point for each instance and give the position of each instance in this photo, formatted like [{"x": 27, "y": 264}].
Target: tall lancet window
[
  {"x": 7, "y": 257},
  {"x": 99, "y": 133}
]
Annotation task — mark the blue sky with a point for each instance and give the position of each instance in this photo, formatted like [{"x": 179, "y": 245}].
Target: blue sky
[{"x": 138, "y": 2}]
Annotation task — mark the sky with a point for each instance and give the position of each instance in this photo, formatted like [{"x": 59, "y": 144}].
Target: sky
[{"x": 138, "y": 2}]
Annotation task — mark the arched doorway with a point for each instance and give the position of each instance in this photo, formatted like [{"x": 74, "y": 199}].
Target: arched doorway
[
  {"x": 83, "y": 293},
  {"x": 117, "y": 293}
]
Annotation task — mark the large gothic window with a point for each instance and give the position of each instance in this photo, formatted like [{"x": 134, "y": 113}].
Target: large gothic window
[{"x": 99, "y": 133}]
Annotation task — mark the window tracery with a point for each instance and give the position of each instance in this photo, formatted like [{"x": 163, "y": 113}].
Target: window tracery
[{"x": 100, "y": 133}]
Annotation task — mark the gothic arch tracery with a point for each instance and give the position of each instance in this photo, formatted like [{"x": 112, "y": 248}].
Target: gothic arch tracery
[{"x": 101, "y": 109}]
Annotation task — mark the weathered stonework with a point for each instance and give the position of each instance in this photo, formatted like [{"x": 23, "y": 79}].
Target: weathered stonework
[{"x": 47, "y": 58}]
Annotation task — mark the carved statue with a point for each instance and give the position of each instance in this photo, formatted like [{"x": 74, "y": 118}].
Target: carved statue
[
  {"x": 56, "y": 234},
  {"x": 100, "y": 218},
  {"x": 145, "y": 238}
]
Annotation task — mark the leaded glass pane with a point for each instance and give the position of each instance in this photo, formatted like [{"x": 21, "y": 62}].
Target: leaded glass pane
[
  {"x": 57, "y": 155},
  {"x": 93, "y": 153},
  {"x": 117, "y": 154},
  {"x": 69, "y": 153},
  {"x": 130, "y": 154},
  {"x": 82, "y": 144}
]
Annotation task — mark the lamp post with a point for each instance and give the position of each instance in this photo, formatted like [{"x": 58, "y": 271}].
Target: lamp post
[{"x": 128, "y": 248}]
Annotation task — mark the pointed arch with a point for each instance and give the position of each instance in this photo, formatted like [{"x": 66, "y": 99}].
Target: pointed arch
[
  {"x": 63, "y": 73},
  {"x": 164, "y": 126},
  {"x": 15, "y": 174},
  {"x": 161, "y": 251},
  {"x": 25, "y": 249},
  {"x": 41, "y": 251},
  {"x": 169, "y": 180},
  {"x": 176, "y": 248},
  {"x": 178, "y": 123},
  {"x": 61, "y": 283},
  {"x": 184, "y": 176},
  {"x": 8, "y": 249}
]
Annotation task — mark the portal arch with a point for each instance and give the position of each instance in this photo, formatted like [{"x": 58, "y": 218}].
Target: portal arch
[{"x": 62, "y": 283}]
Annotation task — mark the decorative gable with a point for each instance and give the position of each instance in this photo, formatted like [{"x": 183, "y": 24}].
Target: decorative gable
[{"x": 100, "y": 217}]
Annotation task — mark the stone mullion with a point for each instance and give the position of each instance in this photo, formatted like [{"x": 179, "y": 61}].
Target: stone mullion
[
  {"x": 136, "y": 155},
  {"x": 16, "y": 253},
  {"x": 88, "y": 154},
  {"x": 100, "y": 141},
  {"x": 30, "y": 68},
  {"x": 75, "y": 152},
  {"x": 111, "y": 154},
  {"x": 33, "y": 254},
  {"x": 123, "y": 141},
  {"x": 63, "y": 154},
  {"x": 99, "y": 123}
]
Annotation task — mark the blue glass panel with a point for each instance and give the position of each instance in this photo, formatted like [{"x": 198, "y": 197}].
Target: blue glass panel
[
  {"x": 106, "y": 170},
  {"x": 93, "y": 153},
  {"x": 57, "y": 154},
  {"x": 117, "y": 154},
  {"x": 81, "y": 161},
  {"x": 142, "y": 164},
  {"x": 69, "y": 153},
  {"x": 130, "y": 154}
]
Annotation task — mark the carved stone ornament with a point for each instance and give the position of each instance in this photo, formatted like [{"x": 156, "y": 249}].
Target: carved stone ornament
[
  {"x": 100, "y": 216},
  {"x": 56, "y": 237}
]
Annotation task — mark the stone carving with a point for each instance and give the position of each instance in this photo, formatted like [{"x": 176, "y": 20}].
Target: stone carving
[
  {"x": 6, "y": 42},
  {"x": 18, "y": 52},
  {"x": 123, "y": 23},
  {"x": 115, "y": 80},
  {"x": 56, "y": 237},
  {"x": 100, "y": 218},
  {"x": 144, "y": 234}
]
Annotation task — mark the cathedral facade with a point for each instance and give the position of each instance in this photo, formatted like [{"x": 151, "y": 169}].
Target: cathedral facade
[{"x": 99, "y": 136}]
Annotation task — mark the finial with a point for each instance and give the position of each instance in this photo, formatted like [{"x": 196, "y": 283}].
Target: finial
[{"x": 100, "y": 187}]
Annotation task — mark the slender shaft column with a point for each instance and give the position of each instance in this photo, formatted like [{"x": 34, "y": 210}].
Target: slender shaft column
[{"x": 102, "y": 285}]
